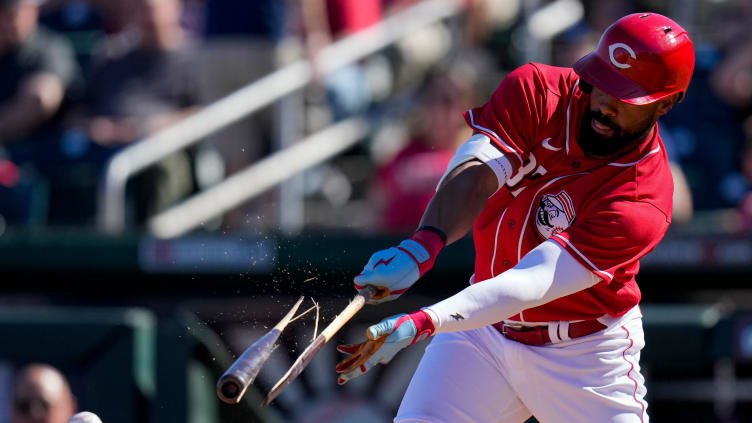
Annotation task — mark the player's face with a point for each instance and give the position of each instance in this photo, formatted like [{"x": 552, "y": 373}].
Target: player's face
[{"x": 611, "y": 126}]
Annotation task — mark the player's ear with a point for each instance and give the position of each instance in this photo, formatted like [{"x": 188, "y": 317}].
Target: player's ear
[{"x": 666, "y": 104}]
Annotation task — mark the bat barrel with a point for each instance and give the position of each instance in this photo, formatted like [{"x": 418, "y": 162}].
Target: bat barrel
[
  {"x": 232, "y": 385},
  {"x": 235, "y": 381},
  {"x": 229, "y": 389}
]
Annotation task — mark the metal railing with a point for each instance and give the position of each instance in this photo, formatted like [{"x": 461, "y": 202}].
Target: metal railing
[
  {"x": 257, "y": 178},
  {"x": 542, "y": 24},
  {"x": 247, "y": 100}
]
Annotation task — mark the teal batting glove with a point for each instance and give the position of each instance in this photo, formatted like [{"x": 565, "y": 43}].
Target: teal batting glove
[
  {"x": 392, "y": 271},
  {"x": 385, "y": 340}
]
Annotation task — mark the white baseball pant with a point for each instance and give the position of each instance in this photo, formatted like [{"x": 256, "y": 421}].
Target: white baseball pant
[{"x": 480, "y": 376}]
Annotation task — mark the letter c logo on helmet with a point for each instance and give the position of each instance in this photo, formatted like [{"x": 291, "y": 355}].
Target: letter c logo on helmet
[
  {"x": 640, "y": 58},
  {"x": 616, "y": 63}
]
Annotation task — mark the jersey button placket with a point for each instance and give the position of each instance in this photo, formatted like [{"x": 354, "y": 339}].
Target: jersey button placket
[{"x": 507, "y": 264}]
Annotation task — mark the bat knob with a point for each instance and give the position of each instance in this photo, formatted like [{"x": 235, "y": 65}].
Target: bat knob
[{"x": 230, "y": 390}]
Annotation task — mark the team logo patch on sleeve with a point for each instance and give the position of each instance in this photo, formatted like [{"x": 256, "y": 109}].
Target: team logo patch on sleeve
[{"x": 555, "y": 213}]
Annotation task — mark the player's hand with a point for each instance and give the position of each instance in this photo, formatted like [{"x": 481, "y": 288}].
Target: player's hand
[
  {"x": 392, "y": 271},
  {"x": 385, "y": 339}
]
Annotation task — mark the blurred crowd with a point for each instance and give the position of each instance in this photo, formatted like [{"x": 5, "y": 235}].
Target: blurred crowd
[{"x": 82, "y": 79}]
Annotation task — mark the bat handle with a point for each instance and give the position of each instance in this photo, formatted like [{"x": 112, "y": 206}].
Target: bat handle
[{"x": 369, "y": 292}]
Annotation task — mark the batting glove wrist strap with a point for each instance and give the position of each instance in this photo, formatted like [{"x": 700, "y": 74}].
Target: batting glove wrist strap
[
  {"x": 425, "y": 257},
  {"x": 424, "y": 325}
]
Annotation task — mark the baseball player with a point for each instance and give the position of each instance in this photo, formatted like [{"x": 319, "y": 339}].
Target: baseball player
[{"x": 566, "y": 185}]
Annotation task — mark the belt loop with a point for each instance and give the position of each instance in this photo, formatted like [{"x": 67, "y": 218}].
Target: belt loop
[
  {"x": 563, "y": 330},
  {"x": 553, "y": 329}
]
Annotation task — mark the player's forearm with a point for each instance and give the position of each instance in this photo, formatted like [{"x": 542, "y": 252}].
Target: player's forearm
[
  {"x": 544, "y": 274},
  {"x": 460, "y": 199}
]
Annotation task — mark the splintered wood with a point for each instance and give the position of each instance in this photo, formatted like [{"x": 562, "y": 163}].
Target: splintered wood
[
  {"x": 303, "y": 359},
  {"x": 316, "y": 326},
  {"x": 315, "y": 306},
  {"x": 316, "y": 322}
]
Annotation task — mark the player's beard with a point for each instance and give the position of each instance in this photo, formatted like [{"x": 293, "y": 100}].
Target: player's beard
[{"x": 598, "y": 145}]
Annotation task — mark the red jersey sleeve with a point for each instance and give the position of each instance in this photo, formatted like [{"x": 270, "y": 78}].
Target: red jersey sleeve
[
  {"x": 610, "y": 239},
  {"x": 512, "y": 117}
]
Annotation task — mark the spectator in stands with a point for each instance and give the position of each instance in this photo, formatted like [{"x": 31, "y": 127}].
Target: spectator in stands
[
  {"x": 683, "y": 209},
  {"x": 38, "y": 78},
  {"x": 36, "y": 69},
  {"x": 147, "y": 86},
  {"x": 245, "y": 41},
  {"x": 78, "y": 20},
  {"x": 574, "y": 43},
  {"x": 731, "y": 79},
  {"x": 113, "y": 17},
  {"x": 601, "y": 14},
  {"x": 405, "y": 185},
  {"x": 488, "y": 27},
  {"x": 41, "y": 394},
  {"x": 710, "y": 111},
  {"x": 326, "y": 21},
  {"x": 139, "y": 88}
]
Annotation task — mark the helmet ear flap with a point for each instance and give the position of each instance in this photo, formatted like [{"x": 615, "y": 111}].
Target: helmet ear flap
[{"x": 586, "y": 87}]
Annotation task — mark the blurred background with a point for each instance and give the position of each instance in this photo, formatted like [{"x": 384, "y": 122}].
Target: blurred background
[{"x": 175, "y": 173}]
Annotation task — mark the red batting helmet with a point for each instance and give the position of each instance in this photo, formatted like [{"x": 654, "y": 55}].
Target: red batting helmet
[{"x": 641, "y": 58}]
